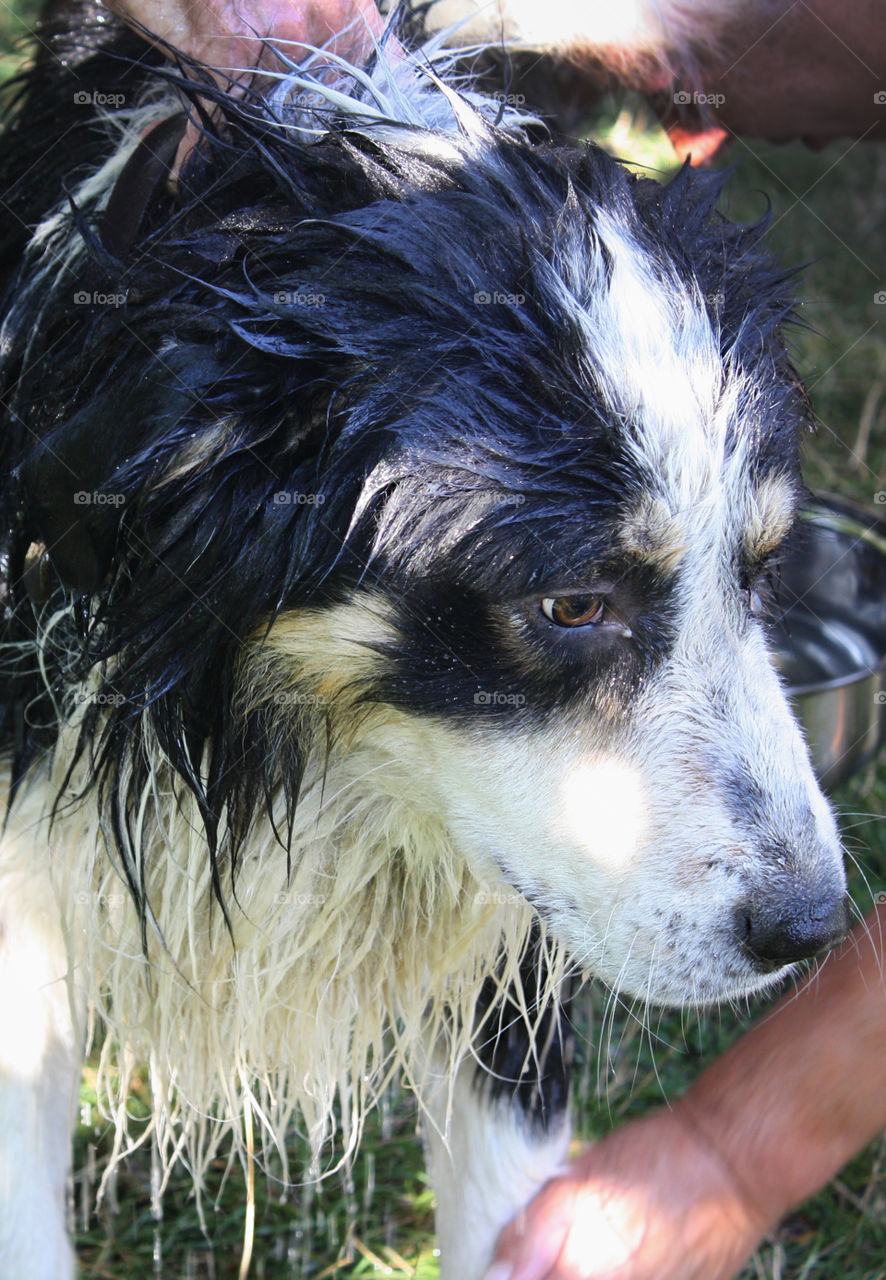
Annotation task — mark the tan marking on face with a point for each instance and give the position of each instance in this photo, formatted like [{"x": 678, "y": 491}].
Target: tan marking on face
[
  {"x": 317, "y": 654},
  {"x": 654, "y": 533},
  {"x": 770, "y": 515}
]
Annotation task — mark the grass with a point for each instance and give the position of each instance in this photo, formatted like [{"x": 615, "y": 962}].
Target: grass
[
  {"x": 828, "y": 210},
  {"x": 16, "y": 21}
]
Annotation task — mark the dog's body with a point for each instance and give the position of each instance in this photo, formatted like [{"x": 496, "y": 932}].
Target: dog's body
[{"x": 383, "y": 527}]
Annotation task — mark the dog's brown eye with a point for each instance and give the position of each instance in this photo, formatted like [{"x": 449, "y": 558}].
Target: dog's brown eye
[{"x": 573, "y": 611}]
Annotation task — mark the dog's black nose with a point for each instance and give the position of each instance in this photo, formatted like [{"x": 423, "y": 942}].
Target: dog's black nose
[{"x": 794, "y": 930}]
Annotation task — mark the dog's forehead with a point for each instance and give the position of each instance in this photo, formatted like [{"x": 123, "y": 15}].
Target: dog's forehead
[
  {"x": 686, "y": 417},
  {"x": 657, "y": 364},
  {"x": 752, "y": 521}
]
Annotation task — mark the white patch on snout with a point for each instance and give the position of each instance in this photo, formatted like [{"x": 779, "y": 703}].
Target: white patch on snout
[{"x": 603, "y": 804}]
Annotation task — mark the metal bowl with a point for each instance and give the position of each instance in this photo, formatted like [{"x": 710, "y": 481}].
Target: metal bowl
[{"x": 830, "y": 642}]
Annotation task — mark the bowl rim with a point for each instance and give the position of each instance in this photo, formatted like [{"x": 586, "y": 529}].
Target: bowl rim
[
  {"x": 838, "y": 682},
  {"x": 824, "y": 504}
]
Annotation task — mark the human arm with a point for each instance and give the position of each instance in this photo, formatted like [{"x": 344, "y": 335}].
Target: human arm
[{"x": 687, "y": 1193}]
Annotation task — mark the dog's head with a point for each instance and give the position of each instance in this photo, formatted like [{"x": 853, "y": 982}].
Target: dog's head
[{"x": 431, "y": 443}]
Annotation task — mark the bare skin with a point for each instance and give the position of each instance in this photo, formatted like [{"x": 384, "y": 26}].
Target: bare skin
[
  {"x": 813, "y": 70},
  {"x": 688, "y": 1193},
  {"x": 652, "y": 1200},
  {"x": 229, "y": 35}
]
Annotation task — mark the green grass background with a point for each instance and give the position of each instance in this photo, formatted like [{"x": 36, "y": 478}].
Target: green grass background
[{"x": 828, "y": 211}]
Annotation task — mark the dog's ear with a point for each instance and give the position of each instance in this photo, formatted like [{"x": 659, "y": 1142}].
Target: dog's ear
[
  {"x": 144, "y": 176},
  {"x": 70, "y": 494}
]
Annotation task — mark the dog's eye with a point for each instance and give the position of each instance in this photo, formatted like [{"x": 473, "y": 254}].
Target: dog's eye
[{"x": 573, "y": 611}]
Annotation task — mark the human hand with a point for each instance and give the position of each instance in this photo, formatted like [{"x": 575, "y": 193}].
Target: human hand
[
  {"x": 652, "y": 1201},
  {"x": 810, "y": 71},
  {"x": 229, "y": 34},
  {"x": 238, "y": 37}
]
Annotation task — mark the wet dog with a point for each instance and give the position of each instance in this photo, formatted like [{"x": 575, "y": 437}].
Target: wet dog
[{"x": 387, "y": 515}]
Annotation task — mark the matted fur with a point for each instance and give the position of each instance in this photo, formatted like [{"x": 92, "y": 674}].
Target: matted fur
[
  {"x": 319, "y": 985},
  {"x": 323, "y": 968},
  {"x": 326, "y": 972}
]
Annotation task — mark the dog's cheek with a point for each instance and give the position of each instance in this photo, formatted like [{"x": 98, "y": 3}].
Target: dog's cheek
[
  {"x": 562, "y": 824},
  {"x": 575, "y": 826},
  {"x": 577, "y": 829}
]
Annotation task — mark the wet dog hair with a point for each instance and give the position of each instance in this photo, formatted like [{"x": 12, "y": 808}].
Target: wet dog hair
[
  {"x": 257, "y": 425},
  {"x": 384, "y": 520}
]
